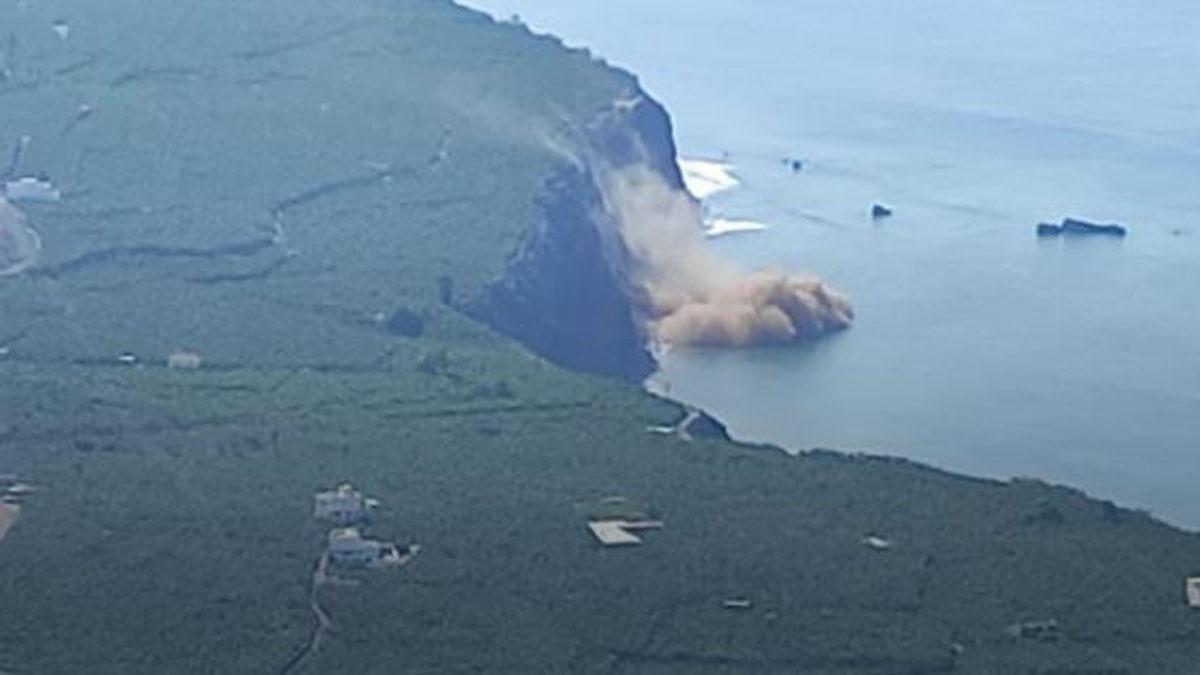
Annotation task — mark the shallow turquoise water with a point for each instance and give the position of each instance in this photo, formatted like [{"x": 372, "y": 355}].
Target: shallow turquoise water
[{"x": 978, "y": 347}]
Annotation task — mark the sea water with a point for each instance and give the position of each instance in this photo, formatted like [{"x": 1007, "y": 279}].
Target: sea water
[{"x": 978, "y": 347}]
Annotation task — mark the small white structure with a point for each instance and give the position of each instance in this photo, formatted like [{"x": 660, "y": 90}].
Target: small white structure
[
  {"x": 620, "y": 532},
  {"x": 1193, "y": 592},
  {"x": 348, "y": 548},
  {"x": 185, "y": 359},
  {"x": 31, "y": 189},
  {"x": 877, "y": 543},
  {"x": 344, "y": 506},
  {"x": 19, "y": 490},
  {"x": 62, "y": 29}
]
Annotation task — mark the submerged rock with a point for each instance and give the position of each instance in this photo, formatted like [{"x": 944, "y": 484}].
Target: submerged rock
[{"x": 1077, "y": 226}]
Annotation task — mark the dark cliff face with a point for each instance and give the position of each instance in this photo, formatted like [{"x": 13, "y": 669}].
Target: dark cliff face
[{"x": 562, "y": 295}]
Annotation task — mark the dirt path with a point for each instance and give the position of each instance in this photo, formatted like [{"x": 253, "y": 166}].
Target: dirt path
[
  {"x": 324, "y": 622},
  {"x": 8, "y": 518},
  {"x": 322, "y": 577},
  {"x": 686, "y": 423}
]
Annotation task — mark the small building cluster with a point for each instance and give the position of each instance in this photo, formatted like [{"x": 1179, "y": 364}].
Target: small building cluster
[
  {"x": 617, "y": 521},
  {"x": 185, "y": 359},
  {"x": 347, "y": 547},
  {"x": 343, "y": 505},
  {"x": 1036, "y": 631}
]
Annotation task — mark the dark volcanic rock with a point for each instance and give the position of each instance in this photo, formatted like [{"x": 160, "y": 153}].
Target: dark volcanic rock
[
  {"x": 1075, "y": 226},
  {"x": 561, "y": 296},
  {"x": 1048, "y": 230}
]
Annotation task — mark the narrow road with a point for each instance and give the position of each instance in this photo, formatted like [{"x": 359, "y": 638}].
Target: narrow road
[
  {"x": 324, "y": 622},
  {"x": 682, "y": 427},
  {"x": 8, "y": 518}
]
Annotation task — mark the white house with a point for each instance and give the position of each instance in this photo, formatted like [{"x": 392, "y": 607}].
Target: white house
[
  {"x": 344, "y": 506},
  {"x": 1193, "y": 592},
  {"x": 621, "y": 532},
  {"x": 347, "y": 547},
  {"x": 185, "y": 359}
]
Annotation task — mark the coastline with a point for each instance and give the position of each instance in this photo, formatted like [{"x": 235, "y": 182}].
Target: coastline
[
  {"x": 202, "y": 481},
  {"x": 969, "y": 184}
]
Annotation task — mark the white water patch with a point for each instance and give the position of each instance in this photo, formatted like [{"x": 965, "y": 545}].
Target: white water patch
[
  {"x": 719, "y": 227},
  {"x": 704, "y": 178}
]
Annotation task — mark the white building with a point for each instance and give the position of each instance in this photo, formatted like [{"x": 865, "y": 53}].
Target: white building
[
  {"x": 621, "y": 532},
  {"x": 1193, "y": 592},
  {"x": 185, "y": 359},
  {"x": 344, "y": 506},
  {"x": 348, "y": 548}
]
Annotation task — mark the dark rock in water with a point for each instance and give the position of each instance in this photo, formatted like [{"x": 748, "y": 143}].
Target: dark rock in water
[
  {"x": 880, "y": 211},
  {"x": 1076, "y": 226},
  {"x": 1048, "y": 230}
]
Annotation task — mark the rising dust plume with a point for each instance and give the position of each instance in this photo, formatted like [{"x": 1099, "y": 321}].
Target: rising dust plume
[{"x": 689, "y": 296}]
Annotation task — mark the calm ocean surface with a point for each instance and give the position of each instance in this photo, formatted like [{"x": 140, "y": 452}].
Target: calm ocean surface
[{"x": 978, "y": 347}]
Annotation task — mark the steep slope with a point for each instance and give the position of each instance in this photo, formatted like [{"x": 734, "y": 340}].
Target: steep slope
[{"x": 325, "y": 198}]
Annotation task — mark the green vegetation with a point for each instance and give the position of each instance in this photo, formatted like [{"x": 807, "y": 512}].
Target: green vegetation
[
  {"x": 399, "y": 145},
  {"x": 172, "y": 531}
]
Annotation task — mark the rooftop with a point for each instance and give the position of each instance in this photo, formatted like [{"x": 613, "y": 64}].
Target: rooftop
[{"x": 618, "y": 532}]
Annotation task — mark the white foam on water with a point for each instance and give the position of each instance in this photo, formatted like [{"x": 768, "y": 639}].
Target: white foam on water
[
  {"x": 719, "y": 227},
  {"x": 704, "y": 178}
]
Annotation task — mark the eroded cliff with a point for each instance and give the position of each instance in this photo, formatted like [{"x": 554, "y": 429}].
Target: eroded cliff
[{"x": 566, "y": 294}]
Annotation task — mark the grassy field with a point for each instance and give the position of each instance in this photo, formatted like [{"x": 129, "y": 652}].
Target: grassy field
[
  {"x": 285, "y": 186},
  {"x": 172, "y": 532}
]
